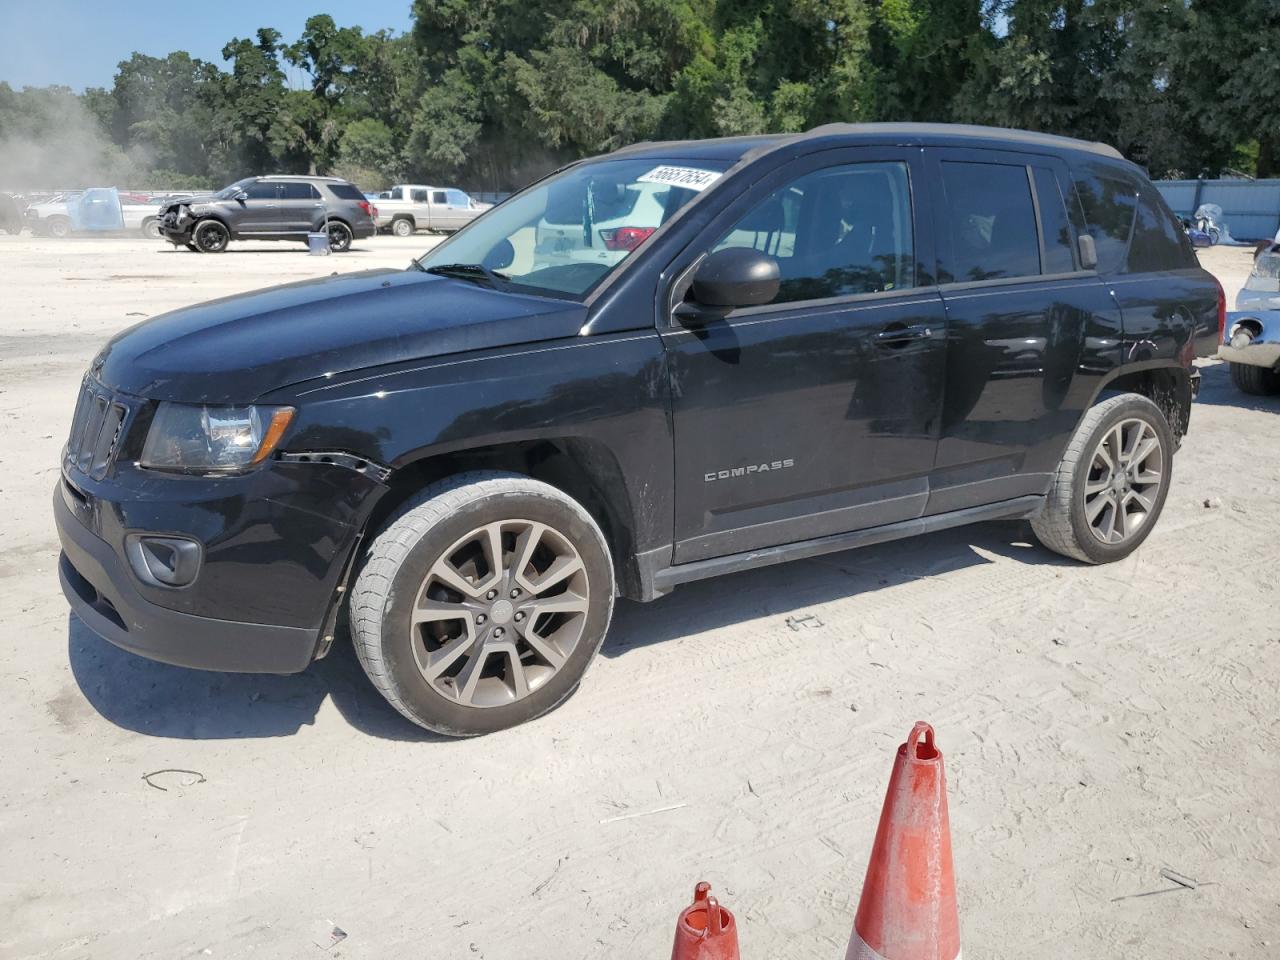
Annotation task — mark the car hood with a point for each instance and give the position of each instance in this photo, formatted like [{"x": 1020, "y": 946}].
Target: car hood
[{"x": 238, "y": 348}]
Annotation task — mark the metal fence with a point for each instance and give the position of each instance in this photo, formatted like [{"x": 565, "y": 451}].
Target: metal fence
[{"x": 1251, "y": 208}]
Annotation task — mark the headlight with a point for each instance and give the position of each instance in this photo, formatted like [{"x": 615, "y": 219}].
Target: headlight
[{"x": 203, "y": 439}]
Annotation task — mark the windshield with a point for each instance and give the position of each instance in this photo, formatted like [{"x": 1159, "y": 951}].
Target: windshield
[
  {"x": 564, "y": 235},
  {"x": 226, "y": 193}
]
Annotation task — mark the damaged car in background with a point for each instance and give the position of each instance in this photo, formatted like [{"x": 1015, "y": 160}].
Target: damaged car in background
[
  {"x": 271, "y": 208},
  {"x": 1251, "y": 335}
]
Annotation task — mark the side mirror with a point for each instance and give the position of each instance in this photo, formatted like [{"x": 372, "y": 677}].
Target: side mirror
[
  {"x": 736, "y": 277},
  {"x": 501, "y": 256},
  {"x": 242, "y": 196},
  {"x": 1088, "y": 252}
]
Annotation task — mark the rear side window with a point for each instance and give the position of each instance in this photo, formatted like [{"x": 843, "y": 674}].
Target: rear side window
[
  {"x": 421, "y": 196},
  {"x": 300, "y": 191},
  {"x": 346, "y": 191},
  {"x": 1054, "y": 227},
  {"x": 991, "y": 222},
  {"x": 1109, "y": 203},
  {"x": 1158, "y": 241},
  {"x": 263, "y": 190}
]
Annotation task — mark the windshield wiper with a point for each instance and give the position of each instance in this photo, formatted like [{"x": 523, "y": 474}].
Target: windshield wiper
[{"x": 476, "y": 272}]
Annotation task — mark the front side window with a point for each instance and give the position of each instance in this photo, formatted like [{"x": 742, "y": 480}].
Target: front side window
[
  {"x": 991, "y": 222},
  {"x": 263, "y": 190},
  {"x": 438, "y": 196},
  {"x": 835, "y": 232},
  {"x": 564, "y": 235}
]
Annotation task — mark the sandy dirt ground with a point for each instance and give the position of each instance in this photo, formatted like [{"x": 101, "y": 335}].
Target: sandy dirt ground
[{"x": 1099, "y": 724}]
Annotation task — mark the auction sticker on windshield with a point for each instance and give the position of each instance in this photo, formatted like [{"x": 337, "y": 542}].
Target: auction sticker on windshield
[{"x": 688, "y": 178}]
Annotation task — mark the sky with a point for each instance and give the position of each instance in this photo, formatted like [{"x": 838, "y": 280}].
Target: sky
[{"x": 79, "y": 42}]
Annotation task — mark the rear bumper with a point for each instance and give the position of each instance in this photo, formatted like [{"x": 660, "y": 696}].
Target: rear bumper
[
  {"x": 100, "y": 587},
  {"x": 1262, "y": 327},
  {"x": 1255, "y": 355}
]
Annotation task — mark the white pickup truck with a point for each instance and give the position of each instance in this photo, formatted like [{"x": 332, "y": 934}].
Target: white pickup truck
[{"x": 409, "y": 207}]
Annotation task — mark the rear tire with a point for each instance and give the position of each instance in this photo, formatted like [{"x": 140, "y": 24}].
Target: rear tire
[
  {"x": 1256, "y": 381},
  {"x": 339, "y": 236},
  {"x": 402, "y": 227},
  {"x": 211, "y": 236},
  {"x": 462, "y": 644},
  {"x": 1111, "y": 485},
  {"x": 59, "y": 228}
]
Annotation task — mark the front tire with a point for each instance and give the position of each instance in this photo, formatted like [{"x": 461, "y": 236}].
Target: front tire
[
  {"x": 1111, "y": 485},
  {"x": 59, "y": 228},
  {"x": 481, "y": 603},
  {"x": 211, "y": 236},
  {"x": 151, "y": 230},
  {"x": 1255, "y": 381}
]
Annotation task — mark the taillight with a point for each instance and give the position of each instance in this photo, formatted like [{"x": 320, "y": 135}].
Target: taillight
[
  {"x": 1222, "y": 312},
  {"x": 626, "y": 238},
  {"x": 368, "y": 208}
]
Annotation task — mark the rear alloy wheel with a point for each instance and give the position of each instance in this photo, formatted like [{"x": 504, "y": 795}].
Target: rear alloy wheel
[
  {"x": 59, "y": 228},
  {"x": 402, "y": 227},
  {"x": 1256, "y": 381},
  {"x": 339, "y": 236},
  {"x": 211, "y": 236},
  {"x": 481, "y": 604},
  {"x": 1111, "y": 485}
]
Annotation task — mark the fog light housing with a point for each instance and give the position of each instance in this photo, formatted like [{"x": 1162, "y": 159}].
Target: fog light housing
[{"x": 163, "y": 561}]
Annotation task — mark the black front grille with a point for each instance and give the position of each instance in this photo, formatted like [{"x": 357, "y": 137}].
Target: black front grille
[{"x": 97, "y": 428}]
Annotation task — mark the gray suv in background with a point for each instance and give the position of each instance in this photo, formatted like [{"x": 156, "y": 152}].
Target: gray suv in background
[{"x": 271, "y": 208}]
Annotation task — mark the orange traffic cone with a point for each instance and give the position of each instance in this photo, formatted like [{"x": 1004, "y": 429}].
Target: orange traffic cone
[
  {"x": 705, "y": 930},
  {"x": 908, "y": 905}
]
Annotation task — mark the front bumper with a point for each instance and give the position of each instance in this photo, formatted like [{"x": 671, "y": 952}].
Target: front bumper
[{"x": 101, "y": 589}]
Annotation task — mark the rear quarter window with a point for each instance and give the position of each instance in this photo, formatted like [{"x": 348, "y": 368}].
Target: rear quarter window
[
  {"x": 1109, "y": 202},
  {"x": 345, "y": 191},
  {"x": 1159, "y": 242}
]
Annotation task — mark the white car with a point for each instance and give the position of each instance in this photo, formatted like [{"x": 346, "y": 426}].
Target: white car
[
  {"x": 54, "y": 217},
  {"x": 621, "y": 223}
]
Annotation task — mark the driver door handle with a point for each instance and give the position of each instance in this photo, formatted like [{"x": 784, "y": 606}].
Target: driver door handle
[{"x": 899, "y": 335}]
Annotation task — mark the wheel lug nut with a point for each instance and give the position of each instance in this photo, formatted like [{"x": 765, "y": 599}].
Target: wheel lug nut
[
  {"x": 519, "y": 617},
  {"x": 491, "y": 594},
  {"x": 480, "y": 618},
  {"x": 497, "y": 631},
  {"x": 515, "y": 593}
]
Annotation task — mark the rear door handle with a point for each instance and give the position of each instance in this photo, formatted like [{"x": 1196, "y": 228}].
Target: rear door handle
[{"x": 899, "y": 335}]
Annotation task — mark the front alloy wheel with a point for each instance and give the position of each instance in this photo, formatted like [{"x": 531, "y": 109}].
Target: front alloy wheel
[
  {"x": 480, "y": 604},
  {"x": 211, "y": 236},
  {"x": 500, "y": 612}
]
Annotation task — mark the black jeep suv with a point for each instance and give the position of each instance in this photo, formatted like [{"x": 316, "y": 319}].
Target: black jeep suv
[
  {"x": 777, "y": 347},
  {"x": 271, "y": 208}
]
